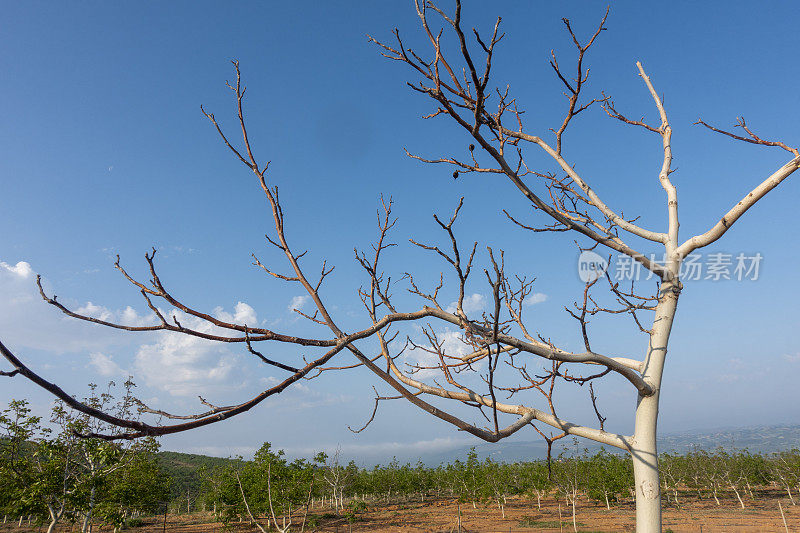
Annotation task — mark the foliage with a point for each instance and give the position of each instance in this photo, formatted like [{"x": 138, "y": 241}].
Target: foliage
[
  {"x": 188, "y": 471},
  {"x": 45, "y": 473},
  {"x": 266, "y": 486},
  {"x": 50, "y": 470}
]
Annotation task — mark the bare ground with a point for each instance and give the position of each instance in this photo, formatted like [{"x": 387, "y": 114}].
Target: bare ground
[{"x": 441, "y": 516}]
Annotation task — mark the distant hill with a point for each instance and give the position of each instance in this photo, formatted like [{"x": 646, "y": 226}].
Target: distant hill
[
  {"x": 761, "y": 439},
  {"x": 185, "y": 469}
]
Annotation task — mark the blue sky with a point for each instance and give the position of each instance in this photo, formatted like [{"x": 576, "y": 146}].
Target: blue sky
[{"x": 106, "y": 152}]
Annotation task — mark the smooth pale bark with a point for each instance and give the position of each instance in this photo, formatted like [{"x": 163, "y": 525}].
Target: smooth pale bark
[
  {"x": 55, "y": 516},
  {"x": 87, "y": 520},
  {"x": 644, "y": 451},
  {"x": 783, "y": 517},
  {"x": 738, "y": 497}
]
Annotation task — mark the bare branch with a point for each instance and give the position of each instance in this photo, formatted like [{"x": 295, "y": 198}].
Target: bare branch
[
  {"x": 735, "y": 212},
  {"x": 753, "y": 139}
]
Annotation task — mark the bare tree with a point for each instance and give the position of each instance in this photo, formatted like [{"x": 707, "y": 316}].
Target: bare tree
[{"x": 503, "y": 353}]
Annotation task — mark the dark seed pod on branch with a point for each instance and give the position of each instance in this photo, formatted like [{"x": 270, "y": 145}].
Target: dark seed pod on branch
[{"x": 455, "y": 174}]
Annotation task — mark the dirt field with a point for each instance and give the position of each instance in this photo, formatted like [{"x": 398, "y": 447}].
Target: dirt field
[{"x": 761, "y": 515}]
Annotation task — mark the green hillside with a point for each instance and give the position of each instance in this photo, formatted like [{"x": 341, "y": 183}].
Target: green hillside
[{"x": 186, "y": 470}]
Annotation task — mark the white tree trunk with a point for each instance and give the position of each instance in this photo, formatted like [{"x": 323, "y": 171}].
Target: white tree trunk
[
  {"x": 737, "y": 495},
  {"x": 574, "y": 522},
  {"x": 85, "y": 528},
  {"x": 644, "y": 451},
  {"x": 789, "y": 491},
  {"x": 55, "y": 516}
]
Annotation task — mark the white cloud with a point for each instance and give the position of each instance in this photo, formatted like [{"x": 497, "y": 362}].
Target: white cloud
[
  {"x": 105, "y": 365},
  {"x": 22, "y": 269},
  {"x": 95, "y": 311},
  {"x": 472, "y": 303},
  {"x": 792, "y": 358},
  {"x": 452, "y": 344},
  {"x": 736, "y": 363},
  {"x": 269, "y": 381},
  {"x": 127, "y": 317},
  {"x": 173, "y": 362},
  {"x": 27, "y": 322},
  {"x": 535, "y": 298},
  {"x": 16, "y": 283},
  {"x": 184, "y": 365},
  {"x": 298, "y": 302},
  {"x": 242, "y": 314}
]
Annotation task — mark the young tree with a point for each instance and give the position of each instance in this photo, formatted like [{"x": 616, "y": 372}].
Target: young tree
[
  {"x": 96, "y": 459},
  {"x": 496, "y": 478},
  {"x": 140, "y": 486},
  {"x": 455, "y": 73},
  {"x": 785, "y": 467},
  {"x": 538, "y": 480},
  {"x": 266, "y": 486},
  {"x": 609, "y": 476},
  {"x": 20, "y": 432},
  {"x": 336, "y": 476},
  {"x": 53, "y": 470}
]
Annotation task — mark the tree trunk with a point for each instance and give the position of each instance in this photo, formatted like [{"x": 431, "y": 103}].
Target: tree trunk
[
  {"x": 574, "y": 522},
  {"x": 560, "y": 519},
  {"x": 54, "y": 518},
  {"x": 644, "y": 451},
  {"x": 789, "y": 490},
  {"x": 737, "y": 495},
  {"x": 85, "y": 528}
]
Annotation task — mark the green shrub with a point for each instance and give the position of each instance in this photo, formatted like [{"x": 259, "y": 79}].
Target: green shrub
[{"x": 134, "y": 522}]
